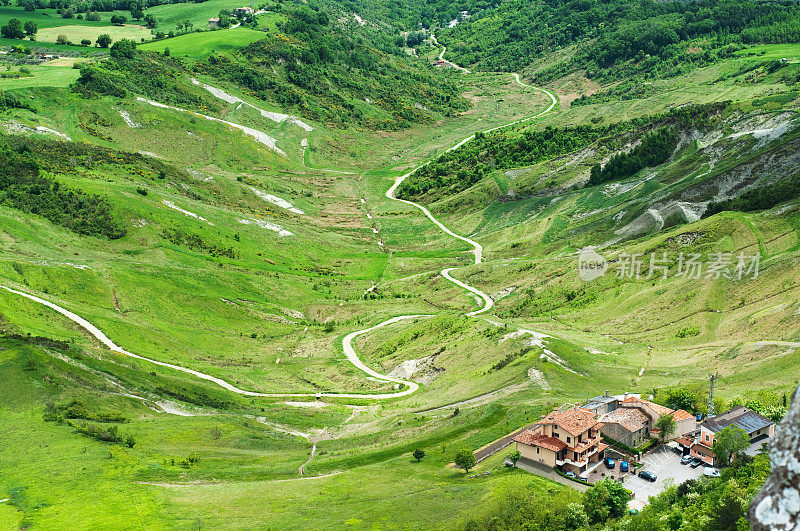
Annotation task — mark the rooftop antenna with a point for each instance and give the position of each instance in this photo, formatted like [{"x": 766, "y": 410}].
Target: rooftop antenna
[{"x": 712, "y": 379}]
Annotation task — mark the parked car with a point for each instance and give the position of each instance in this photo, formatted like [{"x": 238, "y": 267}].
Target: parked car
[
  {"x": 686, "y": 459},
  {"x": 609, "y": 463},
  {"x": 570, "y": 474},
  {"x": 696, "y": 462},
  {"x": 509, "y": 463},
  {"x": 649, "y": 476},
  {"x": 623, "y": 466},
  {"x": 711, "y": 472}
]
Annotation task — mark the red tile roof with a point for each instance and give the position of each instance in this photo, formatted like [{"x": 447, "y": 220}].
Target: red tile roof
[
  {"x": 682, "y": 415},
  {"x": 575, "y": 420},
  {"x": 536, "y": 439}
]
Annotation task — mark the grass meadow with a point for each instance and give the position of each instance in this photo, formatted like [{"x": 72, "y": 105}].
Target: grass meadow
[
  {"x": 202, "y": 44},
  {"x": 271, "y": 316}
]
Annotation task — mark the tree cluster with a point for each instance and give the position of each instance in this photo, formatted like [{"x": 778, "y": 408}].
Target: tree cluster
[
  {"x": 655, "y": 148},
  {"x": 24, "y": 187}
]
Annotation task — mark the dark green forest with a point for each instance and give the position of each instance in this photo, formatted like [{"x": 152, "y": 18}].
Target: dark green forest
[
  {"x": 326, "y": 74},
  {"x": 617, "y": 38},
  {"x": 760, "y": 198}
]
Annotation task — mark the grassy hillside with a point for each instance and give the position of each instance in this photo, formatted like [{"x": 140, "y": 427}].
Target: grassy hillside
[
  {"x": 223, "y": 209},
  {"x": 202, "y": 45}
]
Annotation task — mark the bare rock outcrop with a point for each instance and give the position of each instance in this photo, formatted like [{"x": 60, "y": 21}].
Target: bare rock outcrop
[{"x": 777, "y": 506}]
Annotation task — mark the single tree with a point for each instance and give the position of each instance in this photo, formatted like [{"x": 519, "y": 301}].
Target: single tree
[
  {"x": 104, "y": 40},
  {"x": 31, "y": 28},
  {"x": 729, "y": 442},
  {"x": 465, "y": 459},
  {"x": 419, "y": 454},
  {"x": 118, "y": 20},
  {"x": 667, "y": 426},
  {"x": 731, "y": 508},
  {"x": 13, "y": 30},
  {"x": 86, "y": 42},
  {"x": 136, "y": 13},
  {"x": 150, "y": 21},
  {"x": 575, "y": 517},
  {"x": 124, "y": 49},
  {"x": 61, "y": 38},
  {"x": 605, "y": 499},
  {"x": 515, "y": 456},
  {"x": 682, "y": 399},
  {"x": 68, "y": 13},
  {"x": 224, "y": 19}
]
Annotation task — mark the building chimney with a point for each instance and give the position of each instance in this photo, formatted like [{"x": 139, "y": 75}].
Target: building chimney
[{"x": 627, "y": 395}]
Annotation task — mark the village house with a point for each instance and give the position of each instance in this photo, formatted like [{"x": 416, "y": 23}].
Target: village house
[
  {"x": 213, "y": 23},
  {"x": 700, "y": 442},
  {"x": 630, "y": 426},
  {"x": 631, "y": 419},
  {"x": 567, "y": 438},
  {"x": 243, "y": 11}
]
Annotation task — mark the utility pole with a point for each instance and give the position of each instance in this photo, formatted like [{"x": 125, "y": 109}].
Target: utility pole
[{"x": 712, "y": 378}]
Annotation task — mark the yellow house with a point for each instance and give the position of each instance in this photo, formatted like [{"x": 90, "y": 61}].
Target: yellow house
[{"x": 569, "y": 439}]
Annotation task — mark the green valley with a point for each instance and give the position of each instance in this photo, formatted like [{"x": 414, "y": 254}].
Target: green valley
[{"x": 294, "y": 268}]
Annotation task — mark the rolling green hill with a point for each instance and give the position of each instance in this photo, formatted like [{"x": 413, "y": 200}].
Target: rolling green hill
[{"x": 212, "y": 314}]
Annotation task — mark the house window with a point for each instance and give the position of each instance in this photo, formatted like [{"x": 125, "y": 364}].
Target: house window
[
  {"x": 568, "y": 439},
  {"x": 537, "y": 449},
  {"x": 706, "y": 437}
]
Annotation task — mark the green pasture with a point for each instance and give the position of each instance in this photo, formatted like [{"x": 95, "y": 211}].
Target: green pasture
[{"x": 202, "y": 44}]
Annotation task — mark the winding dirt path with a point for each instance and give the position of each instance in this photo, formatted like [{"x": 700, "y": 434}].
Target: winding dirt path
[
  {"x": 310, "y": 457},
  {"x": 477, "y": 249},
  {"x": 347, "y": 342}
]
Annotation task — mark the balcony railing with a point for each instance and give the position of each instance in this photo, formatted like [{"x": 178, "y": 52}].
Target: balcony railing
[{"x": 561, "y": 462}]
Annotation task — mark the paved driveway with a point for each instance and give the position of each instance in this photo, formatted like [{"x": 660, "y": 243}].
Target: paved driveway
[
  {"x": 666, "y": 465},
  {"x": 546, "y": 471}
]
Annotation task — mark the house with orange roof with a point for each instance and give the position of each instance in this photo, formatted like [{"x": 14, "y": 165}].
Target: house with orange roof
[
  {"x": 686, "y": 422},
  {"x": 566, "y": 438}
]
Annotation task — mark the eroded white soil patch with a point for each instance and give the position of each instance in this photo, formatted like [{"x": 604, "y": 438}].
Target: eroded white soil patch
[
  {"x": 277, "y": 201},
  {"x": 259, "y": 136},
  {"x": 266, "y": 225},
  {"x": 274, "y": 116},
  {"x": 184, "y": 212}
]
